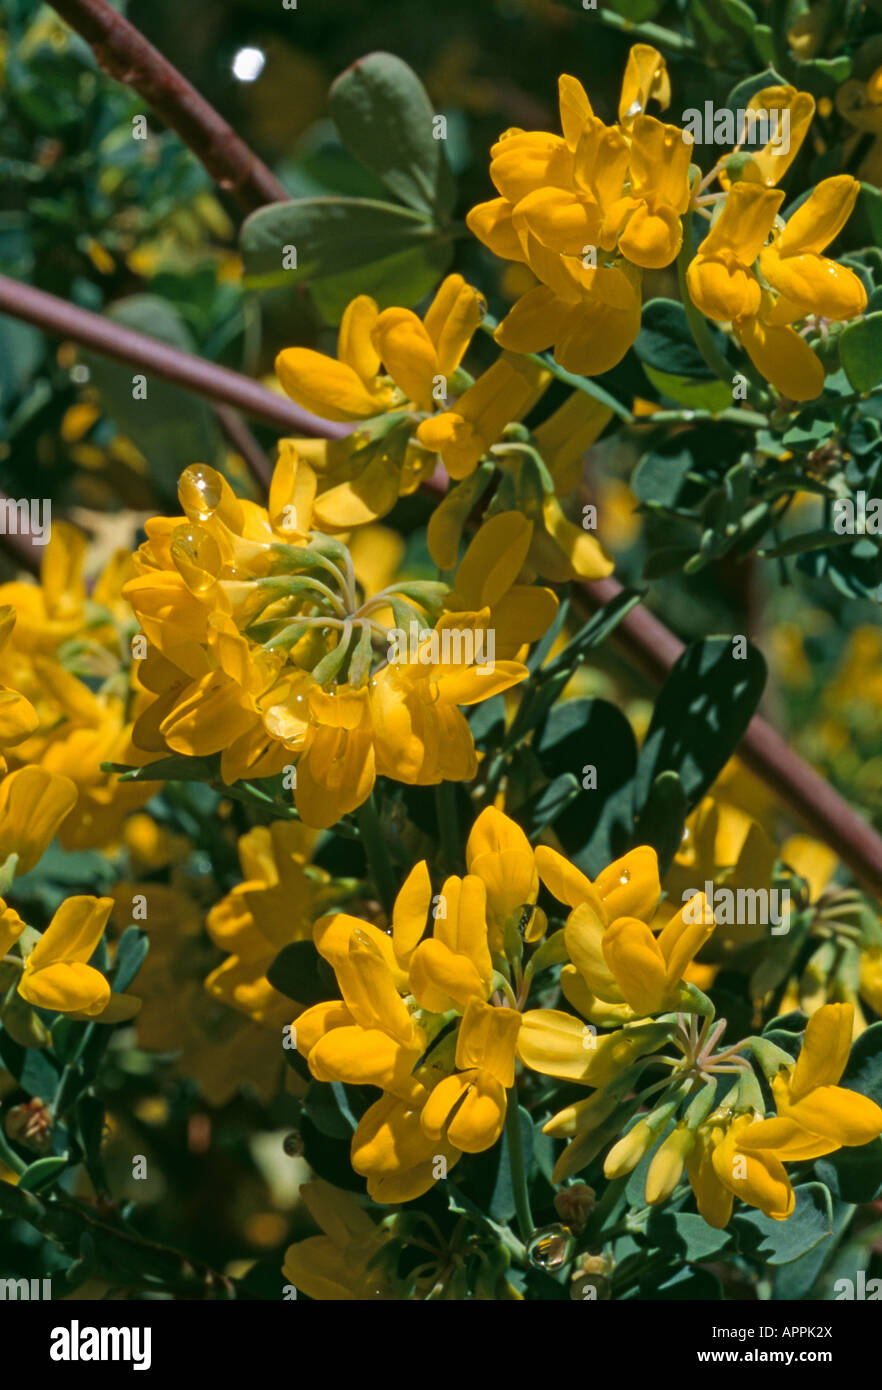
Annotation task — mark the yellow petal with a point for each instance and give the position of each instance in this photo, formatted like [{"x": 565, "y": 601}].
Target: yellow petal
[
  {"x": 584, "y": 935},
  {"x": 646, "y": 78},
  {"x": 575, "y": 108},
  {"x": 821, "y": 217},
  {"x": 493, "y": 560},
  {"x": 33, "y": 804},
  {"x": 66, "y": 988},
  {"x": 487, "y": 1039},
  {"x": 324, "y": 386},
  {"x": 452, "y": 319},
  {"x": 442, "y": 979},
  {"x": 825, "y": 1049},
  {"x": 635, "y": 959},
  {"x": 478, "y": 1122},
  {"x": 784, "y": 358},
  {"x": 73, "y": 933},
  {"x": 411, "y": 910},
  {"x": 354, "y": 343},
  {"x": 408, "y": 354}
]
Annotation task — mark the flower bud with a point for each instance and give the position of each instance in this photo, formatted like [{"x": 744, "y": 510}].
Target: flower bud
[
  {"x": 624, "y": 1156},
  {"x": 575, "y": 1204},
  {"x": 30, "y": 1125},
  {"x": 666, "y": 1168}
]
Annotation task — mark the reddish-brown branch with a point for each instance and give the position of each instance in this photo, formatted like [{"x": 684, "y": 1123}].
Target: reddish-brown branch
[
  {"x": 219, "y": 384},
  {"x": 653, "y": 648},
  {"x": 124, "y": 54},
  {"x": 18, "y": 545},
  {"x": 243, "y": 441}
]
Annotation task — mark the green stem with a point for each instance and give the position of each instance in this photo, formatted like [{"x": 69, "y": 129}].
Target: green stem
[
  {"x": 732, "y": 415},
  {"x": 378, "y": 860},
  {"x": 11, "y": 1159},
  {"x": 652, "y": 33},
  {"x": 516, "y": 1165},
  {"x": 448, "y": 825}
]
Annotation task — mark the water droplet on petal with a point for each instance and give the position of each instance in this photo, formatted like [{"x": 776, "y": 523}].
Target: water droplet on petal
[{"x": 625, "y": 876}]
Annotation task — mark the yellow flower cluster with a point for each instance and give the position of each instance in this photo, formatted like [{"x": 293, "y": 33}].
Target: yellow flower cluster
[
  {"x": 434, "y": 1013},
  {"x": 588, "y": 211},
  {"x": 263, "y": 648}
]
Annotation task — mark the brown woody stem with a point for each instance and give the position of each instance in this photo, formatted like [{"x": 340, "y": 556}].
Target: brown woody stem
[
  {"x": 124, "y": 54},
  {"x": 219, "y": 384}
]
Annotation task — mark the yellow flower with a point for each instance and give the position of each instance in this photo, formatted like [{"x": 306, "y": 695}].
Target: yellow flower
[
  {"x": 815, "y": 1115},
  {"x": 722, "y": 1167},
  {"x": 769, "y": 164},
  {"x": 262, "y": 649},
  {"x": 274, "y": 906},
  {"x": 57, "y": 975},
  {"x": 500, "y": 855},
  {"x": 470, "y": 1105},
  {"x": 79, "y": 726},
  {"x": 585, "y": 211},
  {"x": 647, "y": 970},
  {"x": 33, "y": 805},
  {"x": 18, "y": 718},
  {"x": 463, "y": 435},
  {"x": 413, "y": 351},
  {"x": 338, "y": 1265},
  {"x": 722, "y": 282}
]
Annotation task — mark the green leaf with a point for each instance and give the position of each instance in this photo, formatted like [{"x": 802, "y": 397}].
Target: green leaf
[
  {"x": 543, "y": 809},
  {"x": 665, "y": 343},
  {"x": 853, "y": 1175},
  {"x": 580, "y": 735},
  {"x": 863, "y": 1071},
  {"x": 662, "y": 818},
  {"x": 687, "y": 391},
  {"x": 345, "y": 247},
  {"x": 41, "y": 1173},
  {"x": 779, "y": 1242},
  {"x": 686, "y": 1235},
  {"x": 385, "y": 118},
  {"x": 860, "y": 352},
  {"x": 661, "y": 473},
  {"x": 741, "y": 93},
  {"x": 700, "y": 716},
  {"x": 130, "y": 953},
  {"x": 796, "y": 1280},
  {"x": 502, "y": 1203},
  {"x": 299, "y": 972}
]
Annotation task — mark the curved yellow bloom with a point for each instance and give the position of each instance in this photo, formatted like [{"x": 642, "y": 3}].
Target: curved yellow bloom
[
  {"x": 57, "y": 975},
  {"x": 338, "y": 1265},
  {"x": 280, "y": 894},
  {"x": 722, "y": 1167},
  {"x": 469, "y": 1106},
  {"x": 815, "y": 1115},
  {"x": 413, "y": 351},
  {"x": 769, "y": 165},
  {"x": 33, "y": 805},
  {"x": 648, "y": 969},
  {"x": 501, "y": 856},
  {"x": 806, "y": 281},
  {"x": 504, "y": 392},
  {"x": 586, "y": 211},
  {"x": 801, "y": 281},
  {"x": 262, "y": 648}
]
